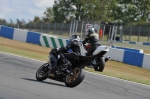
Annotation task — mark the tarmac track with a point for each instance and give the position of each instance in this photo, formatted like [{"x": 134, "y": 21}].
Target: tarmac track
[{"x": 17, "y": 81}]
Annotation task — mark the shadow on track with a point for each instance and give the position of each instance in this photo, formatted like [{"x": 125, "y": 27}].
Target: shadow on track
[{"x": 43, "y": 82}]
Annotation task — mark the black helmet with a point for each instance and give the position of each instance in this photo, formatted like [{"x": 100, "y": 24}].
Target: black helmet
[
  {"x": 90, "y": 30},
  {"x": 75, "y": 38}
]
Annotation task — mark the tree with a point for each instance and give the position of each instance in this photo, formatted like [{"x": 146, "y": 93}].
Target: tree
[
  {"x": 79, "y": 9},
  {"x": 36, "y": 19},
  {"x": 48, "y": 15},
  {"x": 143, "y": 7},
  {"x": 2, "y": 21},
  {"x": 59, "y": 9},
  {"x": 128, "y": 10}
]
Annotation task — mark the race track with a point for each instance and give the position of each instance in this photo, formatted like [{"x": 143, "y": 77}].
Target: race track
[{"x": 17, "y": 81}]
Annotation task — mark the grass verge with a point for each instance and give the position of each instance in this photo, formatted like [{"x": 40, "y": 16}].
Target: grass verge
[{"x": 112, "y": 68}]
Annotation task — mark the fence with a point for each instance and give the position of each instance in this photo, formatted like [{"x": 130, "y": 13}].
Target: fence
[{"x": 64, "y": 30}]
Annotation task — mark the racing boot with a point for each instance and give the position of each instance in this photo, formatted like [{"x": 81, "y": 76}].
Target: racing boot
[{"x": 52, "y": 73}]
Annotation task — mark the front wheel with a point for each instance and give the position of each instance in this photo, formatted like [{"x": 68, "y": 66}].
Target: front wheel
[
  {"x": 76, "y": 78},
  {"x": 42, "y": 72},
  {"x": 100, "y": 64}
]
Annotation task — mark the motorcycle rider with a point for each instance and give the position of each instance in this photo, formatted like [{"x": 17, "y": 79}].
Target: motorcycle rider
[
  {"x": 76, "y": 46},
  {"x": 93, "y": 38}
]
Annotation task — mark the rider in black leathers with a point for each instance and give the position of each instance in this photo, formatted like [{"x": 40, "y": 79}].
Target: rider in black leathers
[
  {"x": 93, "y": 39},
  {"x": 75, "y": 45}
]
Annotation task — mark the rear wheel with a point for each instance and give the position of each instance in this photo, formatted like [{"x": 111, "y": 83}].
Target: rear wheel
[
  {"x": 42, "y": 72},
  {"x": 76, "y": 78},
  {"x": 100, "y": 64}
]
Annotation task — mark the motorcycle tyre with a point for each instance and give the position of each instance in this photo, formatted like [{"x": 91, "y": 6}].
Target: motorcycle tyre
[
  {"x": 43, "y": 77},
  {"x": 78, "y": 80},
  {"x": 101, "y": 64}
]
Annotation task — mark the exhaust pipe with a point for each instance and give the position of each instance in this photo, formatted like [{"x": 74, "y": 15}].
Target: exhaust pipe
[{"x": 107, "y": 58}]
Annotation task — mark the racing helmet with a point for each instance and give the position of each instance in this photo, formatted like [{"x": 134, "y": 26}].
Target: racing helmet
[
  {"x": 75, "y": 38},
  {"x": 90, "y": 30}
]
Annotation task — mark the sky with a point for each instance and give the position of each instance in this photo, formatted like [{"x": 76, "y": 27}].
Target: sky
[{"x": 23, "y": 9}]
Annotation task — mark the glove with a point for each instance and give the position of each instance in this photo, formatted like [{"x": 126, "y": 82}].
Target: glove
[
  {"x": 62, "y": 49},
  {"x": 54, "y": 50}
]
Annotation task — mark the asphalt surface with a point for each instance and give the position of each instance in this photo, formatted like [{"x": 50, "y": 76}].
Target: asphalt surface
[{"x": 17, "y": 81}]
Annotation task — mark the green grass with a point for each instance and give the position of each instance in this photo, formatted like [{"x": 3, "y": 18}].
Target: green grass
[
  {"x": 135, "y": 38},
  {"x": 132, "y": 38},
  {"x": 23, "y": 53}
]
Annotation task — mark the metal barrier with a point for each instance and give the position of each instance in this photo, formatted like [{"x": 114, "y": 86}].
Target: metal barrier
[{"x": 121, "y": 33}]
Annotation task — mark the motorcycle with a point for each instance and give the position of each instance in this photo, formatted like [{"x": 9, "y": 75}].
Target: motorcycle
[
  {"x": 99, "y": 63},
  {"x": 72, "y": 75}
]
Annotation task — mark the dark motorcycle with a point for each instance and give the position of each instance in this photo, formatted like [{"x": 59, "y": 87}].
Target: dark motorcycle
[
  {"x": 99, "y": 63},
  {"x": 71, "y": 75}
]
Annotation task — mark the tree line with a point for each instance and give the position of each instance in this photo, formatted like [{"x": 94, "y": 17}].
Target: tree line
[{"x": 120, "y": 11}]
